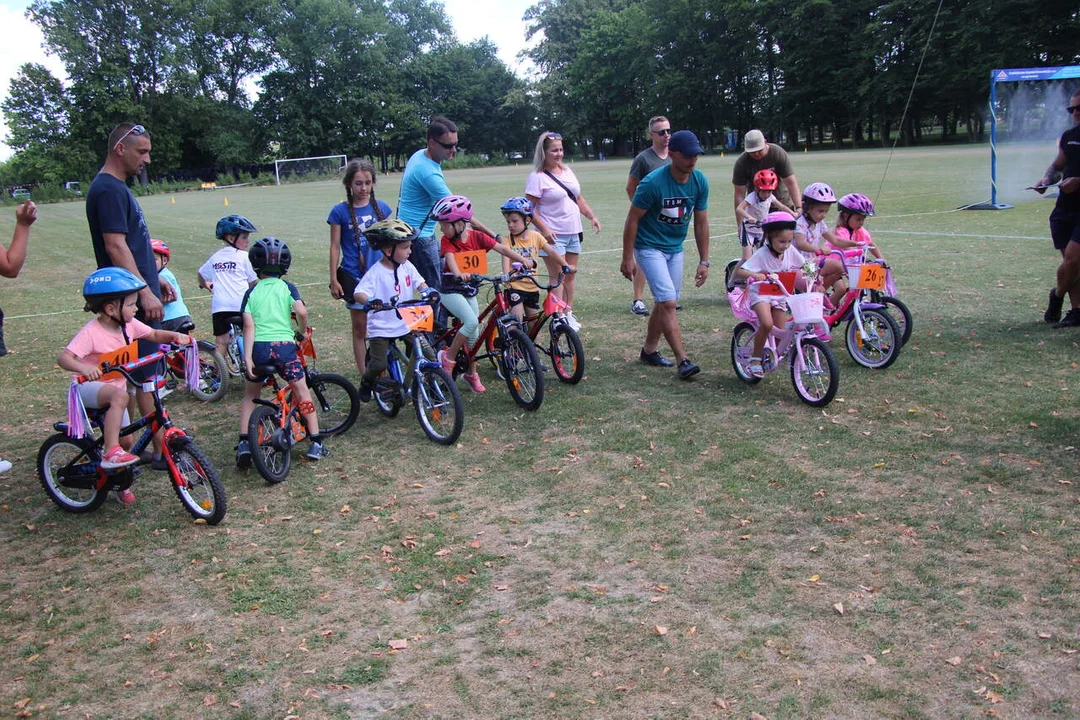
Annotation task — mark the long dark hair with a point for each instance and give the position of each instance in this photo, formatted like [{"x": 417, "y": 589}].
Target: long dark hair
[{"x": 355, "y": 166}]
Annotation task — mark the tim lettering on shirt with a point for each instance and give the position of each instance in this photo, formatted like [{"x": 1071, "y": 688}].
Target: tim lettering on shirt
[{"x": 674, "y": 210}]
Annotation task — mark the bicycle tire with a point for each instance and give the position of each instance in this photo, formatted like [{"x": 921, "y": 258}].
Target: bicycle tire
[
  {"x": 79, "y": 458},
  {"x": 524, "y": 376},
  {"x": 233, "y": 358},
  {"x": 817, "y": 383},
  {"x": 268, "y": 455},
  {"x": 213, "y": 374},
  {"x": 439, "y": 409},
  {"x": 881, "y": 347},
  {"x": 567, "y": 354},
  {"x": 196, "y": 482},
  {"x": 336, "y": 400},
  {"x": 742, "y": 347},
  {"x": 388, "y": 395},
  {"x": 900, "y": 314}
]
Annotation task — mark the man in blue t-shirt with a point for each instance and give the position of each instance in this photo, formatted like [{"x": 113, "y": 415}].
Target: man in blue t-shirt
[
  {"x": 653, "y": 237},
  {"x": 423, "y": 185}
]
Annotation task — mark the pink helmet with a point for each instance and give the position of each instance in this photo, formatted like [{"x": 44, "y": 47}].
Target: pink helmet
[
  {"x": 857, "y": 204},
  {"x": 819, "y": 192},
  {"x": 452, "y": 208},
  {"x": 778, "y": 220}
]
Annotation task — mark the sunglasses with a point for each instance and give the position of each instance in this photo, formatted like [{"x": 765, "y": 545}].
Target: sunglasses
[
  {"x": 554, "y": 136},
  {"x": 665, "y": 131},
  {"x": 134, "y": 131},
  {"x": 447, "y": 146},
  {"x": 1072, "y": 108}
]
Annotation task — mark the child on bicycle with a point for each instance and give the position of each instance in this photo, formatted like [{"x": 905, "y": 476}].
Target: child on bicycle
[
  {"x": 777, "y": 255},
  {"x": 850, "y": 238},
  {"x": 228, "y": 275},
  {"x": 812, "y": 232},
  {"x": 392, "y": 279},
  {"x": 111, "y": 293},
  {"x": 523, "y": 296},
  {"x": 176, "y": 315},
  {"x": 453, "y": 214},
  {"x": 269, "y": 339},
  {"x": 752, "y": 210}
]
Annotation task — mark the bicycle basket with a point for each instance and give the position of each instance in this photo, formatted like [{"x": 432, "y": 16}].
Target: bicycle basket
[{"x": 807, "y": 308}]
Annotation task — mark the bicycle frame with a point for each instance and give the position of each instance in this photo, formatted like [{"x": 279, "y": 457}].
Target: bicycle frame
[
  {"x": 496, "y": 313},
  {"x": 778, "y": 343},
  {"x": 852, "y": 303}
]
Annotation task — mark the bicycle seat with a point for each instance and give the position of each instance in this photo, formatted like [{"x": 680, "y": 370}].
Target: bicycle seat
[
  {"x": 237, "y": 320},
  {"x": 260, "y": 372},
  {"x": 186, "y": 327}
]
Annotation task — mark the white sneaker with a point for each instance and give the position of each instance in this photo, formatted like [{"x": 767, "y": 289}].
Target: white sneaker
[
  {"x": 4, "y": 466},
  {"x": 572, "y": 321}
]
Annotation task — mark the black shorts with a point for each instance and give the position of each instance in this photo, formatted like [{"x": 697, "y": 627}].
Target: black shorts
[
  {"x": 529, "y": 298},
  {"x": 1064, "y": 227},
  {"x": 223, "y": 321}
]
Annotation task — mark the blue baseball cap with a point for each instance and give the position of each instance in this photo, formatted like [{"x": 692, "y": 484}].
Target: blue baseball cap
[{"x": 685, "y": 143}]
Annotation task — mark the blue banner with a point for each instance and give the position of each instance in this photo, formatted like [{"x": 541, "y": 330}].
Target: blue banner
[{"x": 1043, "y": 73}]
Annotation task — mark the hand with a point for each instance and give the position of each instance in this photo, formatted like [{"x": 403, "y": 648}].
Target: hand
[
  {"x": 168, "y": 293},
  {"x": 26, "y": 213},
  {"x": 93, "y": 373},
  {"x": 595, "y": 224},
  {"x": 566, "y": 270},
  {"x": 627, "y": 268},
  {"x": 335, "y": 289},
  {"x": 1069, "y": 185},
  {"x": 534, "y": 262},
  {"x": 151, "y": 306},
  {"x": 430, "y": 295},
  {"x": 701, "y": 275},
  {"x": 299, "y": 336},
  {"x": 375, "y": 304},
  {"x": 208, "y": 286},
  {"x": 182, "y": 339}
]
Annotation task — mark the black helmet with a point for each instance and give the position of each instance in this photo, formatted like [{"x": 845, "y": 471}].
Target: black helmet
[
  {"x": 388, "y": 233},
  {"x": 270, "y": 256}
]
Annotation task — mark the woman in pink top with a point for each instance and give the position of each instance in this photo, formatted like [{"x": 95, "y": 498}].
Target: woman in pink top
[{"x": 558, "y": 206}]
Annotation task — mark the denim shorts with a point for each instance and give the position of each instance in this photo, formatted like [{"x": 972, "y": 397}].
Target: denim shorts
[
  {"x": 663, "y": 271},
  {"x": 566, "y": 244}
]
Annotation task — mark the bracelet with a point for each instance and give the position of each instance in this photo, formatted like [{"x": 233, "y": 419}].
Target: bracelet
[{"x": 705, "y": 263}]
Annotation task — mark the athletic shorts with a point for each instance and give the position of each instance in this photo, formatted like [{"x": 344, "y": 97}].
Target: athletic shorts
[
  {"x": 222, "y": 321},
  {"x": 528, "y": 298},
  {"x": 1064, "y": 227},
  {"x": 282, "y": 355}
]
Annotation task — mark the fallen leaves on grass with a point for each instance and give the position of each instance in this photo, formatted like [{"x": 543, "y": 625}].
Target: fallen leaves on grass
[
  {"x": 839, "y": 607},
  {"x": 954, "y": 660},
  {"x": 399, "y": 644},
  {"x": 660, "y": 630}
]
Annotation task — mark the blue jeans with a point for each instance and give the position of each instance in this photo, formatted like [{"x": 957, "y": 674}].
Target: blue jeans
[
  {"x": 425, "y": 256},
  {"x": 663, "y": 271}
]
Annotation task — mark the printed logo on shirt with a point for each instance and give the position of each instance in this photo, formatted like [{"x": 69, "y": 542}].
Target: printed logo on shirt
[
  {"x": 224, "y": 266},
  {"x": 674, "y": 211}
]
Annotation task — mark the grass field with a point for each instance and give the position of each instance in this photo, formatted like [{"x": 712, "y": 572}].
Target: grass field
[{"x": 639, "y": 547}]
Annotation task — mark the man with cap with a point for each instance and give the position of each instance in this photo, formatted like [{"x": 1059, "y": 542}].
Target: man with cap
[
  {"x": 761, "y": 155},
  {"x": 660, "y": 215}
]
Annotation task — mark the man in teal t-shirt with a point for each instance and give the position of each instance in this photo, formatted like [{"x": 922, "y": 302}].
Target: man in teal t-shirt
[{"x": 656, "y": 227}]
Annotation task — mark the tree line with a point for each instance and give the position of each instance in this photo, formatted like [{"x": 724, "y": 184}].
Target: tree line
[{"x": 361, "y": 77}]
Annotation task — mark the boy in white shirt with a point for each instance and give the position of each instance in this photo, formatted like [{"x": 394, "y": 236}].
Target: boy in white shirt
[{"x": 228, "y": 275}]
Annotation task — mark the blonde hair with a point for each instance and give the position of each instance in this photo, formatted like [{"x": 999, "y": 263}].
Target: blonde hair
[
  {"x": 657, "y": 119},
  {"x": 540, "y": 154}
]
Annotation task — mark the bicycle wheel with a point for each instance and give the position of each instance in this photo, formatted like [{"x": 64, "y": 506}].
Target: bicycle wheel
[
  {"x": 524, "y": 376},
  {"x": 68, "y": 469},
  {"x": 271, "y": 448},
  {"x": 438, "y": 405},
  {"x": 900, "y": 314},
  {"x": 389, "y": 395},
  {"x": 742, "y": 347},
  {"x": 196, "y": 481},
  {"x": 213, "y": 374},
  {"x": 817, "y": 377},
  {"x": 336, "y": 401},
  {"x": 567, "y": 354},
  {"x": 881, "y": 346},
  {"x": 234, "y": 360}
]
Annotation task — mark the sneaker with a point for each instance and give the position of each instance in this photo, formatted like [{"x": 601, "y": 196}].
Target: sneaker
[
  {"x": 364, "y": 391},
  {"x": 243, "y": 455},
  {"x": 317, "y": 451},
  {"x": 572, "y": 321},
  {"x": 755, "y": 368},
  {"x": 125, "y": 497},
  {"x": 4, "y": 466},
  {"x": 822, "y": 333},
  {"x": 473, "y": 379},
  {"x": 159, "y": 463},
  {"x": 678, "y": 306},
  {"x": 655, "y": 359},
  {"x": 1053, "y": 307},
  {"x": 116, "y": 458},
  {"x": 1071, "y": 319},
  {"x": 638, "y": 308},
  {"x": 688, "y": 369},
  {"x": 447, "y": 364}
]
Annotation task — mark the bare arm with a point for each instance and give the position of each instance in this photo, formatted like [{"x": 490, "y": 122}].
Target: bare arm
[
  {"x": 475, "y": 222},
  {"x": 13, "y": 257},
  {"x": 588, "y": 213},
  {"x": 792, "y": 186},
  {"x": 630, "y": 228},
  {"x": 300, "y": 310},
  {"x": 739, "y": 193},
  {"x": 701, "y": 239},
  {"x": 777, "y": 205},
  {"x": 69, "y": 362},
  {"x": 336, "y": 291},
  {"x": 120, "y": 255},
  {"x": 541, "y": 226},
  {"x": 249, "y": 341},
  {"x": 631, "y": 187},
  {"x": 506, "y": 252}
]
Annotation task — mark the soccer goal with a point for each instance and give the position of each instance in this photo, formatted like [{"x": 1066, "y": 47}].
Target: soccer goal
[
  {"x": 1029, "y": 106},
  {"x": 309, "y": 168}
]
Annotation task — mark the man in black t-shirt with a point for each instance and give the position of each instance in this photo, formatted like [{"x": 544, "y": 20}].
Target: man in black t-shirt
[
  {"x": 1065, "y": 222},
  {"x": 761, "y": 155}
]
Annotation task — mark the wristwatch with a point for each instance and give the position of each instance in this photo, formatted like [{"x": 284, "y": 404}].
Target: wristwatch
[{"x": 706, "y": 263}]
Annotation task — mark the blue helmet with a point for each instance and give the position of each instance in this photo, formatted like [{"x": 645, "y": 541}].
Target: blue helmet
[
  {"x": 109, "y": 283},
  {"x": 518, "y": 205},
  {"x": 233, "y": 225}
]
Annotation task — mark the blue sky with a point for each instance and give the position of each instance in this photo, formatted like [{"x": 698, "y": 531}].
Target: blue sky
[{"x": 20, "y": 39}]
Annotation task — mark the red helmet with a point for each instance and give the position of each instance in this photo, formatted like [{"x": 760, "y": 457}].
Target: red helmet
[
  {"x": 766, "y": 180},
  {"x": 161, "y": 248}
]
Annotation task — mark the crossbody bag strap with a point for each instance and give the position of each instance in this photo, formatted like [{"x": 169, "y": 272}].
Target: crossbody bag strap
[{"x": 558, "y": 182}]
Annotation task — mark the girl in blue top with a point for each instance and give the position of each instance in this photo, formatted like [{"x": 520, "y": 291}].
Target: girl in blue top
[{"x": 348, "y": 245}]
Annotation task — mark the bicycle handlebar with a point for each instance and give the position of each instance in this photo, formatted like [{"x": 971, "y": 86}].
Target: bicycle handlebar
[{"x": 127, "y": 368}]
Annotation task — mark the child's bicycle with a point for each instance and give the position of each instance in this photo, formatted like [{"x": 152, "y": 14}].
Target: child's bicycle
[
  {"x": 213, "y": 373},
  {"x": 276, "y": 424},
  {"x": 234, "y": 354},
  {"x": 564, "y": 346},
  {"x": 504, "y": 342},
  {"x": 872, "y": 338},
  {"x": 70, "y": 467},
  {"x": 409, "y": 372},
  {"x": 814, "y": 371},
  {"x": 893, "y": 305}
]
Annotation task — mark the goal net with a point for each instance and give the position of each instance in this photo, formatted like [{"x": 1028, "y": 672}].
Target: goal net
[
  {"x": 1027, "y": 116},
  {"x": 308, "y": 168}
]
